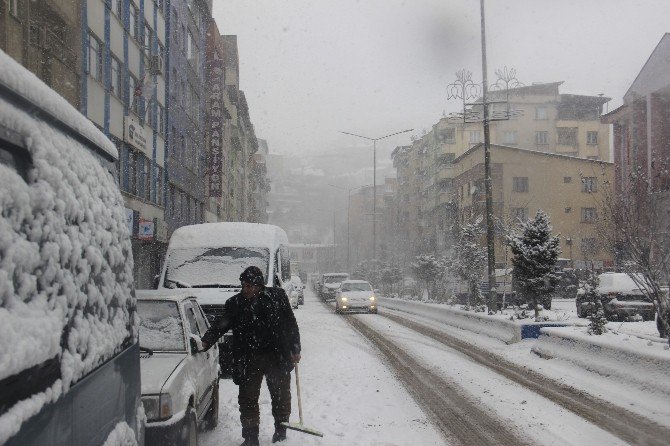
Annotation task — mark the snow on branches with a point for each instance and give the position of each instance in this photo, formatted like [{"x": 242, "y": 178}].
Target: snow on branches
[{"x": 535, "y": 253}]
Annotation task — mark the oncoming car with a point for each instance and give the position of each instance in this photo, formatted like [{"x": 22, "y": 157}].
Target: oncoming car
[
  {"x": 355, "y": 295},
  {"x": 180, "y": 384}
]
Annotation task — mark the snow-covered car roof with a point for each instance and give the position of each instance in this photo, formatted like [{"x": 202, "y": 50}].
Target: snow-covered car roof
[
  {"x": 235, "y": 234},
  {"x": 617, "y": 282},
  {"x": 166, "y": 294},
  {"x": 16, "y": 81},
  {"x": 355, "y": 281}
]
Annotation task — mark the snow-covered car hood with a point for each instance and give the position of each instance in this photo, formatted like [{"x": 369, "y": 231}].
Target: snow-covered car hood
[
  {"x": 213, "y": 296},
  {"x": 156, "y": 369}
]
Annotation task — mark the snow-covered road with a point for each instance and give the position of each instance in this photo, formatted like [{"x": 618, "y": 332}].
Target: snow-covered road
[
  {"x": 354, "y": 390},
  {"x": 348, "y": 393}
]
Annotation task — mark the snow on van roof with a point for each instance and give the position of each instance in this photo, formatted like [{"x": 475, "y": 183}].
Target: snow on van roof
[
  {"x": 232, "y": 234},
  {"x": 18, "y": 79}
]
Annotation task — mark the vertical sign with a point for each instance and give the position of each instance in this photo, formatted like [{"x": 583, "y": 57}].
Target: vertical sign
[{"x": 215, "y": 126}]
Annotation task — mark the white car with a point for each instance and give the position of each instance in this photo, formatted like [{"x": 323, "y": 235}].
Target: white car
[
  {"x": 355, "y": 295},
  {"x": 180, "y": 385}
]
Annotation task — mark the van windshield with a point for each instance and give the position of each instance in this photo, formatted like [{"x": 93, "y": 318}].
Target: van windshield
[{"x": 213, "y": 267}]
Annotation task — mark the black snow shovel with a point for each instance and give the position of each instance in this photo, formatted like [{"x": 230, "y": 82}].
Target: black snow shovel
[{"x": 300, "y": 426}]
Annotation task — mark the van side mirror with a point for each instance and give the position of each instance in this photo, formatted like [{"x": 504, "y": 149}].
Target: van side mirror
[{"x": 194, "y": 346}]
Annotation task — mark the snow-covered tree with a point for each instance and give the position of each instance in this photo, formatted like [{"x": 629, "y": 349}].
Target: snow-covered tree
[
  {"x": 598, "y": 323},
  {"x": 390, "y": 275},
  {"x": 428, "y": 270},
  {"x": 469, "y": 261},
  {"x": 535, "y": 253}
]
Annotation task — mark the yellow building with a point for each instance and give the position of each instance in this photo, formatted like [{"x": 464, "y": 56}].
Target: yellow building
[{"x": 570, "y": 190}]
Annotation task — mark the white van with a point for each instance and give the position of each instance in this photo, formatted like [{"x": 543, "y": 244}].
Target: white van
[{"x": 210, "y": 258}]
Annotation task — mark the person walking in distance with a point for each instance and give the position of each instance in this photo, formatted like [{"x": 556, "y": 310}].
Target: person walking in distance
[{"x": 266, "y": 343}]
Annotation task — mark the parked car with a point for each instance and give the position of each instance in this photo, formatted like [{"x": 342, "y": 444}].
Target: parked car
[
  {"x": 355, "y": 295},
  {"x": 180, "y": 384},
  {"x": 69, "y": 360},
  {"x": 330, "y": 282},
  {"x": 621, "y": 298},
  {"x": 299, "y": 288}
]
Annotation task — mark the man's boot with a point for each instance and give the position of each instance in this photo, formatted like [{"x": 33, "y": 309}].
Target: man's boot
[
  {"x": 280, "y": 433},
  {"x": 250, "y": 435}
]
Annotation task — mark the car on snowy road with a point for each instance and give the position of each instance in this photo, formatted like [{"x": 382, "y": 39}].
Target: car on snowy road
[
  {"x": 355, "y": 295},
  {"x": 299, "y": 288},
  {"x": 330, "y": 282},
  {"x": 180, "y": 383},
  {"x": 621, "y": 297}
]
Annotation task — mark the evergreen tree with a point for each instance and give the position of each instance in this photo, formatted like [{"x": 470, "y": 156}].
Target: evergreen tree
[
  {"x": 535, "y": 253},
  {"x": 468, "y": 262},
  {"x": 427, "y": 269},
  {"x": 598, "y": 323}
]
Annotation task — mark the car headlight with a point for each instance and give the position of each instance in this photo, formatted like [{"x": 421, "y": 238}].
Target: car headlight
[
  {"x": 372, "y": 298},
  {"x": 150, "y": 404},
  {"x": 165, "y": 406},
  {"x": 343, "y": 298}
]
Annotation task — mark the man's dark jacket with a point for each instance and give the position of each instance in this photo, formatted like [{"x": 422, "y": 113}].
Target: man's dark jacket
[{"x": 264, "y": 326}]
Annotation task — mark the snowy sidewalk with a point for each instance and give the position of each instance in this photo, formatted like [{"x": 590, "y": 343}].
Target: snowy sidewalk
[{"x": 348, "y": 393}]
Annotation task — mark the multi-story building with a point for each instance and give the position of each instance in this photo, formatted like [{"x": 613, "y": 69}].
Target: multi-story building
[
  {"x": 570, "y": 190},
  {"x": 543, "y": 120},
  {"x": 260, "y": 185},
  {"x": 186, "y": 161},
  {"x": 46, "y": 38},
  {"x": 123, "y": 91}
]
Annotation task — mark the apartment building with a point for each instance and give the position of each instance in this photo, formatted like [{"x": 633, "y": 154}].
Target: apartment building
[
  {"x": 46, "y": 38},
  {"x": 570, "y": 190},
  {"x": 123, "y": 91},
  {"x": 186, "y": 160}
]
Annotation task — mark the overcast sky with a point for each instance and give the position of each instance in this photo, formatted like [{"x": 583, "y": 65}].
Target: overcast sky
[{"x": 312, "y": 67}]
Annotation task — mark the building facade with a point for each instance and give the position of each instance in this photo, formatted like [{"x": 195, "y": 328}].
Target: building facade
[
  {"x": 123, "y": 91},
  {"x": 46, "y": 38}
]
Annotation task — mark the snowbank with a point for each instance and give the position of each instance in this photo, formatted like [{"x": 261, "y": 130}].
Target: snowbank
[
  {"x": 625, "y": 358},
  {"x": 507, "y": 331}
]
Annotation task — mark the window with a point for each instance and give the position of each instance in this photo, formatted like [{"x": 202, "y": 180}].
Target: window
[
  {"x": 14, "y": 8},
  {"x": 475, "y": 137},
  {"x": 589, "y": 215},
  {"x": 567, "y": 180},
  {"x": 94, "y": 57},
  {"x": 160, "y": 120},
  {"x": 567, "y": 136},
  {"x": 190, "y": 318},
  {"x": 116, "y": 7},
  {"x": 592, "y": 138},
  {"x": 542, "y": 137},
  {"x": 132, "y": 172},
  {"x": 568, "y": 210},
  {"x": 133, "y": 102},
  {"x": 589, "y": 184},
  {"x": 509, "y": 137},
  {"x": 133, "y": 14},
  {"x": 141, "y": 173},
  {"x": 115, "y": 86},
  {"x": 449, "y": 135},
  {"x": 148, "y": 38},
  {"x": 159, "y": 186},
  {"x": 520, "y": 214},
  {"x": 285, "y": 263},
  {"x": 541, "y": 113},
  {"x": 520, "y": 184},
  {"x": 589, "y": 245}
]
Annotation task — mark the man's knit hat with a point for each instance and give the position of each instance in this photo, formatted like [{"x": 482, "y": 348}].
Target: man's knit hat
[{"x": 253, "y": 275}]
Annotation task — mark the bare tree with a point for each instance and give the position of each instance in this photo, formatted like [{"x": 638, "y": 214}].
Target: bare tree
[{"x": 636, "y": 228}]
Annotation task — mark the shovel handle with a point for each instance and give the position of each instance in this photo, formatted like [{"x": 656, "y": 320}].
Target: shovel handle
[{"x": 297, "y": 387}]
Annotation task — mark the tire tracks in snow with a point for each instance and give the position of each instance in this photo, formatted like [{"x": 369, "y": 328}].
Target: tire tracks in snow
[
  {"x": 626, "y": 425},
  {"x": 458, "y": 419}
]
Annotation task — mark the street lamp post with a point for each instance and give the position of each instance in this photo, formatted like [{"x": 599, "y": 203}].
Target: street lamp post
[{"x": 374, "y": 182}]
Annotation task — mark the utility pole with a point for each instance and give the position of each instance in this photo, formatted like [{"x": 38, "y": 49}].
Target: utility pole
[{"x": 464, "y": 88}]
